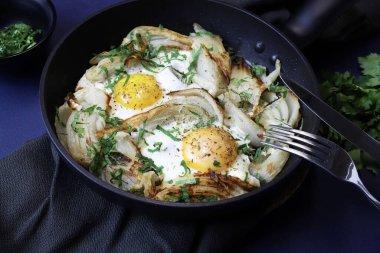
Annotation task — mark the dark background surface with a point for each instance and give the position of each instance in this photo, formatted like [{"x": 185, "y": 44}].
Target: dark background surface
[{"x": 324, "y": 215}]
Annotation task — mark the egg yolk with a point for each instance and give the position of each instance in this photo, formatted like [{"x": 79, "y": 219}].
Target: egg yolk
[
  {"x": 209, "y": 149},
  {"x": 138, "y": 92}
]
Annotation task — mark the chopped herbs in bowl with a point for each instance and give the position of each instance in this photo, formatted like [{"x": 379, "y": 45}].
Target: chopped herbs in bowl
[{"x": 17, "y": 38}]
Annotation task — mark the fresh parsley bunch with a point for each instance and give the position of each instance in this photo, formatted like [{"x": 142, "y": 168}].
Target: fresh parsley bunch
[{"x": 358, "y": 99}]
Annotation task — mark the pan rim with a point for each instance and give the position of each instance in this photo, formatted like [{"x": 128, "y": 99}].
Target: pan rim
[{"x": 142, "y": 200}]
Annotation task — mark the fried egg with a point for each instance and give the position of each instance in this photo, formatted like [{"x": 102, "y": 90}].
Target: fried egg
[
  {"x": 183, "y": 146},
  {"x": 143, "y": 87}
]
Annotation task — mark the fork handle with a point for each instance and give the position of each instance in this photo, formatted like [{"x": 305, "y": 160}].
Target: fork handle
[{"x": 355, "y": 179}]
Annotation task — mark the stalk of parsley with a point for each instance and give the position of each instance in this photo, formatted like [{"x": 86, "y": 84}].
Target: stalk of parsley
[{"x": 358, "y": 99}]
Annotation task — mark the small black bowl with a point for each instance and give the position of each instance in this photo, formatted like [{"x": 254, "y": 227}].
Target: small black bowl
[{"x": 40, "y": 14}]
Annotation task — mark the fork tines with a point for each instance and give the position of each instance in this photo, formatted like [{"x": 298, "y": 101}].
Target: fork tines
[{"x": 309, "y": 146}]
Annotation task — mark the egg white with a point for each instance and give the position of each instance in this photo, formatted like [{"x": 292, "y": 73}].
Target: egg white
[{"x": 170, "y": 154}]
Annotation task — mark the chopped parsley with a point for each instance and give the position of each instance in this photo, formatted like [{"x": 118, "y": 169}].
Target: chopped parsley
[
  {"x": 114, "y": 121},
  {"x": 185, "y": 194},
  {"x": 279, "y": 89},
  {"x": 185, "y": 77},
  {"x": 90, "y": 109},
  {"x": 238, "y": 83},
  {"x": 140, "y": 133},
  {"x": 260, "y": 178},
  {"x": 187, "y": 181},
  {"x": 258, "y": 118},
  {"x": 189, "y": 75},
  {"x": 120, "y": 74},
  {"x": 102, "y": 155},
  {"x": 216, "y": 163},
  {"x": 157, "y": 147},
  {"x": 104, "y": 70},
  {"x": 17, "y": 38},
  {"x": 186, "y": 169},
  {"x": 75, "y": 127},
  {"x": 167, "y": 133},
  {"x": 258, "y": 70},
  {"x": 201, "y": 122},
  {"x": 161, "y": 27},
  {"x": 195, "y": 56},
  {"x": 245, "y": 96},
  {"x": 149, "y": 165},
  {"x": 116, "y": 177},
  {"x": 259, "y": 157},
  {"x": 248, "y": 151}
]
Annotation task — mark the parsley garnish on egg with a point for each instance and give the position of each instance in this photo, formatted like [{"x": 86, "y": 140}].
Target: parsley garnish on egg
[
  {"x": 167, "y": 133},
  {"x": 186, "y": 168},
  {"x": 157, "y": 147}
]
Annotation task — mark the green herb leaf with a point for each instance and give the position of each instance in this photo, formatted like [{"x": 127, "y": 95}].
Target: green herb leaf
[
  {"x": 167, "y": 133},
  {"x": 157, "y": 147},
  {"x": 258, "y": 70},
  {"x": 101, "y": 155},
  {"x": 185, "y": 194},
  {"x": 371, "y": 69},
  {"x": 116, "y": 177},
  {"x": 279, "y": 89},
  {"x": 140, "y": 134},
  {"x": 149, "y": 165},
  {"x": 216, "y": 163},
  {"x": 238, "y": 83},
  {"x": 358, "y": 99},
  {"x": 195, "y": 55},
  {"x": 90, "y": 109},
  {"x": 187, "y": 181},
  {"x": 186, "y": 168},
  {"x": 201, "y": 123},
  {"x": 260, "y": 178},
  {"x": 75, "y": 127}
]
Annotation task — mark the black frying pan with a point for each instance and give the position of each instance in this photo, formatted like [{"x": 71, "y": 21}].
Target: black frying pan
[{"x": 239, "y": 29}]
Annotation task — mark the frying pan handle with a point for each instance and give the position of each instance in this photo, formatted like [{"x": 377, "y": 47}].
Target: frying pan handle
[
  {"x": 312, "y": 18},
  {"x": 301, "y": 20}
]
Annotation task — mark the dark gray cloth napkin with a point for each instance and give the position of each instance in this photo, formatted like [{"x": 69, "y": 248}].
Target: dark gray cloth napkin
[{"x": 45, "y": 207}]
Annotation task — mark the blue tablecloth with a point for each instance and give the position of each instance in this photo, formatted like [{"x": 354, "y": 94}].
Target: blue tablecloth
[{"x": 324, "y": 215}]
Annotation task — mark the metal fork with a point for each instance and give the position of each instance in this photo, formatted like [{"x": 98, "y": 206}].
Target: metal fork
[{"x": 318, "y": 150}]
